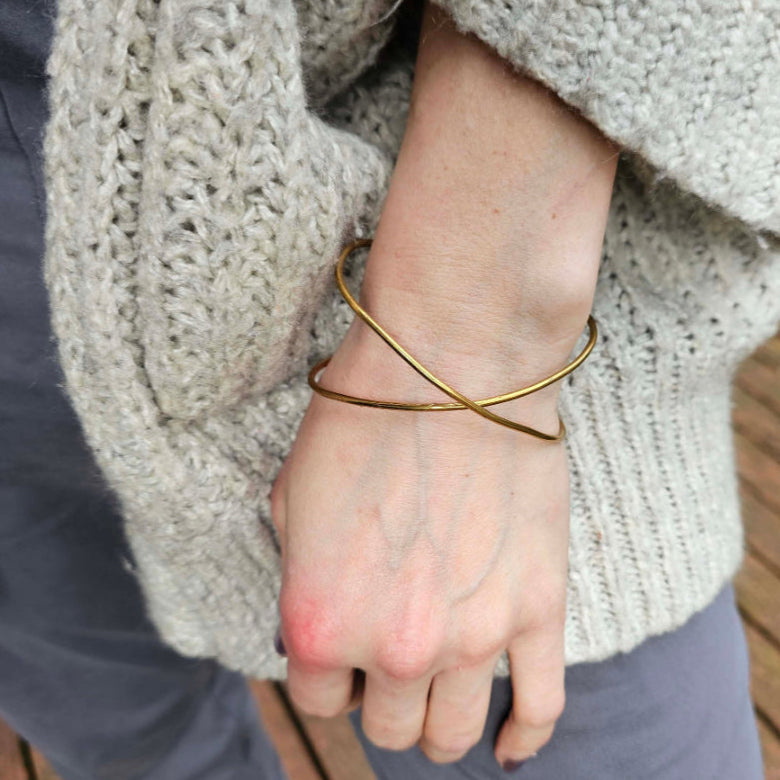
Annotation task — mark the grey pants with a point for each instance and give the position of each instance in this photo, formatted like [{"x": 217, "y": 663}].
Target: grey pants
[{"x": 82, "y": 673}]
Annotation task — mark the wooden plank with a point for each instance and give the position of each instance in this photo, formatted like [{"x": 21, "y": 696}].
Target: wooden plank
[
  {"x": 284, "y": 733},
  {"x": 43, "y": 770},
  {"x": 756, "y": 417},
  {"x": 11, "y": 765},
  {"x": 758, "y": 592},
  {"x": 770, "y": 747},
  {"x": 762, "y": 527},
  {"x": 769, "y": 353},
  {"x": 761, "y": 382},
  {"x": 756, "y": 422},
  {"x": 759, "y": 470},
  {"x": 338, "y": 748},
  {"x": 336, "y": 745},
  {"x": 764, "y": 674}
]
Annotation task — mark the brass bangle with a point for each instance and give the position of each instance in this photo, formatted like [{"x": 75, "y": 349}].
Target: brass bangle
[{"x": 462, "y": 401}]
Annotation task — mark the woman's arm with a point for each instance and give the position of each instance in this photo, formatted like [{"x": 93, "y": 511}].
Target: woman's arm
[
  {"x": 418, "y": 547},
  {"x": 490, "y": 237}
]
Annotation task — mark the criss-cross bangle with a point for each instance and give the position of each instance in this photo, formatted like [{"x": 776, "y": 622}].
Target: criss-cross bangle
[{"x": 462, "y": 402}]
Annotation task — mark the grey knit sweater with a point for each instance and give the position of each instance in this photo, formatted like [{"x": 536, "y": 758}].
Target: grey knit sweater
[{"x": 205, "y": 162}]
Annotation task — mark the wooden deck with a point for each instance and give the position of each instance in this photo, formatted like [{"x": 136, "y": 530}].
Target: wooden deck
[
  {"x": 756, "y": 419},
  {"x": 316, "y": 749}
]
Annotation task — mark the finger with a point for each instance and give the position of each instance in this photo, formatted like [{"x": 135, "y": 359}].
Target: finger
[
  {"x": 394, "y": 710},
  {"x": 536, "y": 665},
  {"x": 457, "y": 710},
  {"x": 318, "y": 691}
]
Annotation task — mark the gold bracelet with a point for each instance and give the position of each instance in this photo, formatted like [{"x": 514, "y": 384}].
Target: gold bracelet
[{"x": 463, "y": 401}]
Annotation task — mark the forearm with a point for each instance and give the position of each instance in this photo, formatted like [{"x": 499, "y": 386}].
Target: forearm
[{"x": 491, "y": 232}]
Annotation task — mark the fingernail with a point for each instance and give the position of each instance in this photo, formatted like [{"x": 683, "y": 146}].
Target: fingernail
[
  {"x": 510, "y": 766},
  {"x": 278, "y": 644}
]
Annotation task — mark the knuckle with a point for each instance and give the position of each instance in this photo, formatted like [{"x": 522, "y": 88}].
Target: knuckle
[
  {"x": 405, "y": 664},
  {"x": 548, "y": 608},
  {"x": 477, "y": 647},
  {"x": 450, "y": 747},
  {"x": 404, "y": 668},
  {"x": 387, "y": 735},
  {"x": 310, "y": 631},
  {"x": 309, "y": 652},
  {"x": 557, "y": 705},
  {"x": 409, "y": 646},
  {"x": 542, "y": 713},
  {"x": 317, "y": 708}
]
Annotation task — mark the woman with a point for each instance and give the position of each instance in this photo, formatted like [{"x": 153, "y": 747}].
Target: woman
[{"x": 204, "y": 164}]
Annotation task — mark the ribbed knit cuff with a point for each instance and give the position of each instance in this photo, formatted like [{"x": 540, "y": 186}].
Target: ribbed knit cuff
[{"x": 655, "y": 518}]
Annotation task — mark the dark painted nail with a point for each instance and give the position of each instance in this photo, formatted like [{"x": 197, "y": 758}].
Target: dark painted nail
[
  {"x": 510, "y": 766},
  {"x": 278, "y": 644}
]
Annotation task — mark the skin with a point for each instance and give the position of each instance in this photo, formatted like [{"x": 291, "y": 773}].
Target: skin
[{"x": 417, "y": 547}]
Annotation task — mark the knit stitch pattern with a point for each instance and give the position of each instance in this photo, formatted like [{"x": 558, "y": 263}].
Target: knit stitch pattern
[{"x": 206, "y": 161}]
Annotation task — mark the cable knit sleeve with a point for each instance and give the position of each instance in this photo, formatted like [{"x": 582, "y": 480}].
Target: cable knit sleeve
[{"x": 690, "y": 88}]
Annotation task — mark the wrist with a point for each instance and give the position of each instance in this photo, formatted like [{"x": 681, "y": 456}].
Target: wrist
[
  {"x": 509, "y": 300},
  {"x": 479, "y": 323},
  {"x": 373, "y": 370},
  {"x": 365, "y": 365}
]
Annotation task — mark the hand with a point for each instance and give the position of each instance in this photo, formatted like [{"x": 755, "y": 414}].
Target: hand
[{"x": 417, "y": 547}]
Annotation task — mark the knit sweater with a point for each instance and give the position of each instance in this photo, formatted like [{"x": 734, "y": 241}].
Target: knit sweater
[{"x": 206, "y": 160}]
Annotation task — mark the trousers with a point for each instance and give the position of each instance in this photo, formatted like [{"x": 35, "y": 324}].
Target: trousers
[{"x": 86, "y": 679}]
